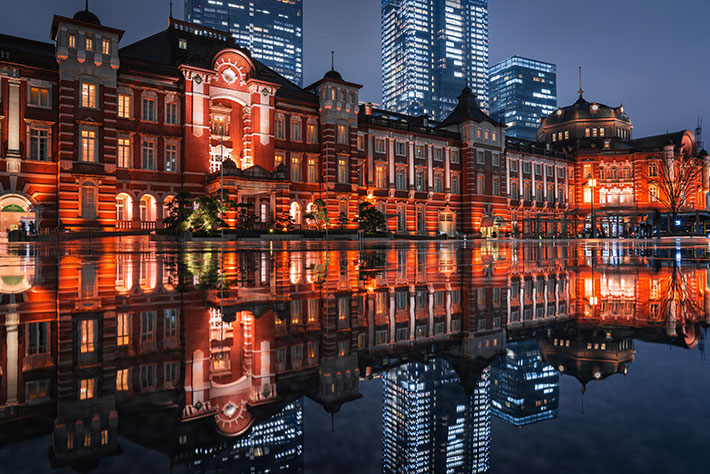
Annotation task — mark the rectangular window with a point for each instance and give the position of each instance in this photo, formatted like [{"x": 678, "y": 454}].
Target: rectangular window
[
  {"x": 89, "y": 44},
  {"x": 170, "y": 322},
  {"x": 538, "y": 170},
  {"x": 401, "y": 179},
  {"x": 343, "y": 170},
  {"x": 171, "y": 113},
  {"x": 438, "y": 187},
  {"x": 653, "y": 193},
  {"x": 39, "y": 97},
  {"x": 123, "y": 159},
  {"x": 87, "y": 334},
  {"x": 148, "y": 162},
  {"x": 39, "y": 144},
  {"x": 480, "y": 157},
  {"x": 88, "y": 145},
  {"x": 72, "y": 40},
  {"x": 37, "y": 335},
  {"x": 495, "y": 159},
  {"x": 280, "y": 127},
  {"x": 360, "y": 142},
  {"x": 652, "y": 170},
  {"x": 124, "y": 105},
  {"x": 149, "y": 109},
  {"x": 279, "y": 158},
  {"x": 496, "y": 187},
  {"x": 123, "y": 329},
  {"x": 421, "y": 185},
  {"x": 401, "y": 148},
  {"x": 420, "y": 152},
  {"x": 148, "y": 326},
  {"x": 296, "y": 134},
  {"x": 438, "y": 154},
  {"x": 312, "y": 170},
  {"x": 106, "y": 46},
  {"x": 311, "y": 133},
  {"x": 379, "y": 145},
  {"x": 343, "y": 134},
  {"x": 455, "y": 156},
  {"x": 171, "y": 157},
  {"x": 122, "y": 380},
  {"x": 88, "y": 95},
  {"x": 481, "y": 184},
  {"x": 380, "y": 177},
  {"x": 86, "y": 390},
  {"x": 148, "y": 376},
  {"x": 295, "y": 169},
  {"x": 88, "y": 202},
  {"x": 455, "y": 186}
]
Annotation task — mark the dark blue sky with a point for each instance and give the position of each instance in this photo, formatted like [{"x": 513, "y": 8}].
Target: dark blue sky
[{"x": 651, "y": 55}]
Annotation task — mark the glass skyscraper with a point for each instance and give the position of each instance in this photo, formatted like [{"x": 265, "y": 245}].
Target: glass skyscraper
[
  {"x": 429, "y": 422},
  {"x": 431, "y": 50},
  {"x": 272, "y": 30},
  {"x": 522, "y": 90},
  {"x": 524, "y": 389}
]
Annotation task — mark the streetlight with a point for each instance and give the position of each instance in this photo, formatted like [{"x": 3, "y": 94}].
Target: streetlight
[{"x": 592, "y": 183}]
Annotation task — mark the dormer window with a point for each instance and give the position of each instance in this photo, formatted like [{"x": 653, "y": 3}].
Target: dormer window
[
  {"x": 106, "y": 46},
  {"x": 72, "y": 40},
  {"x": 182, "y": 43},
  {"x": 89, "y": 44}
]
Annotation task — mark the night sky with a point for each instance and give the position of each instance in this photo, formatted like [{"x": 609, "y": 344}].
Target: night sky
[{"x": 651, "y": 55}]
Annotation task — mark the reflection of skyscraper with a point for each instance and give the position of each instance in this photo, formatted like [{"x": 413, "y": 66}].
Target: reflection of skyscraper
[
  {"x": 430, "y": 424},
  {"x": 275, "y": 445},
  {"x": 524, "y": 389}
]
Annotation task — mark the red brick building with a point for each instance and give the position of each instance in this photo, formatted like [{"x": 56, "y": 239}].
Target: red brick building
[{"x": 94, "y": 136}]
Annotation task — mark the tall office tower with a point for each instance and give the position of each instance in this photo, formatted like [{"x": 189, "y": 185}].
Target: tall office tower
[
  {"x": 272, "y": 30},
  {"x": 430, "y": 424},
  {"x": 522, "y": 91},
  {"x": 524, "y": 389},
  {"x": 431, "y": 50}
]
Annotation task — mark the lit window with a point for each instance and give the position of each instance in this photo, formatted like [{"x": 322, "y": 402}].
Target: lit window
[
  {"x": 379, "y": 145},
  {"x": 278, "y": 158},
  {"x": 124, "y": 105},
  {"x": 88, "y": 145},
  {"x": 455, "y": 157},
  {"x": 311, "y": 130},
  {"x": 72, "y": 40},
  {"x": 122, "y": 380},
  {"x": 88, "y": 95},
  {"x": 343, "y": 170},
  {"x": 104, "y": 437},
  {"x": 89, "y": 44},
  {"x": 106, "y": 46},
  {"x": 342, "y": 134},
  {"x": 39, "y": 97},
  {"x": 87, "y": 333},
  {"x": 124, "y": 152},
  {"x": 182, "y": 43},
  {"x": 312, "y": 170},
  {"x": 295, "y": 168},
  {"x": 123, "y": 329}
]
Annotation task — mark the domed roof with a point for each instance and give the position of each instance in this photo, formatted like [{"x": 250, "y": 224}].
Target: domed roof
[
  {"x": 87, "y": 17},
  {"x": 333, "y": 74},
  {"x": 583, "y": 110}
]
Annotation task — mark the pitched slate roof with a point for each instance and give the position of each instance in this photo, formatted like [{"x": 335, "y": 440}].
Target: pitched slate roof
[
  {"x": 203, "y": 44},
  {"x": 28, "y": 52},
  {"x": 467, "y": 109},
  {"x": 657, "y": 142}
]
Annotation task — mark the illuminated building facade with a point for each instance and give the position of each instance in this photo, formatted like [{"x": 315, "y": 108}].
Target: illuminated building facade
[
  {"x": 432, "y": 50},
  {"x": 271, "y": 29},
  {"x": 524, "y": 389},
  {"x": 523, "y": 91}
]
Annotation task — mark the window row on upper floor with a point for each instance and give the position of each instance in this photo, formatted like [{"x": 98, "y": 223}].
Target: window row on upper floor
[
  {"x": 420, "y": 150},
  {"x": 295, "y": 130}
]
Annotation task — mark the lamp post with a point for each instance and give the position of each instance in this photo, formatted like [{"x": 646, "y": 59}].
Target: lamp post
[{"x": 592, "y": 183}]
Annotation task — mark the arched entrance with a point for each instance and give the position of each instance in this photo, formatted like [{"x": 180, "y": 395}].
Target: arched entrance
[
  {"x": 124, "y": 211},
  {"x": 16, "y": 212},
  {"x": 147, "y": 211}
]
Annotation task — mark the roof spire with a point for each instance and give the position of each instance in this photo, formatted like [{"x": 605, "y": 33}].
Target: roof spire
[
  {"x": 87, "y": 5},
  {"x": 171, "y": 8},
  {"x": 581, "y": 92},
  {"x": 332, "y": 60}
]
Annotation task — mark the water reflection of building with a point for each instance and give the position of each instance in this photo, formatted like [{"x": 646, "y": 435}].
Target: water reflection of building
[
  {"x": 524, "y": 389},
  {"x": 431, "y": 424},
  {"x": 95, "y": 339}
]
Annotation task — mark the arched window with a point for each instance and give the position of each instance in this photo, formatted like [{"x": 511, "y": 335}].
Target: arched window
[
  {"x": 280, "y": 126},
  {"x": 147, "y": 208},
  {"x": 124, "y": 205}
]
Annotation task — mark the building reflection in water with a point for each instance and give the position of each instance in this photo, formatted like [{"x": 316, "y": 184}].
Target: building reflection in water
[{"x": 214, "y": 351}]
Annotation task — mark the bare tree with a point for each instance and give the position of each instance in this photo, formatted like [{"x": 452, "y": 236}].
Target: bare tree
[{"x": 675, "y": 180}]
